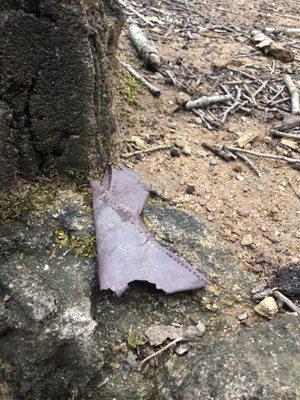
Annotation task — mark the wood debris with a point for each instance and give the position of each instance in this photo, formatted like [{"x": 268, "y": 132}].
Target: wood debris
[
  {"x": 264, "y": 155},
  {"x": 290, "y": 143},
  {"x": 269, "y": 46},
  {"x": 285, "y": 31},
  {"x": 293, "y": 136},
  {"x": 218, "y": 151},
  {"x": 247, "y": 138},
  {"x": 147, "y": 151},
  {"x": 283, "y": 299},
  {"x": 205, "y": 101},
  {"x": 152, "y": 89},
  {"x": 289, "y": 122},
  {"x": 295, "y": 94},
  {"x": 146, "y": 51},
  {"x": 137, "y": 13}
]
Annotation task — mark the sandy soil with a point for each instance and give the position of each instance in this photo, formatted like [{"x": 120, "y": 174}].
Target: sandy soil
[{"x": 258, "y": 216}]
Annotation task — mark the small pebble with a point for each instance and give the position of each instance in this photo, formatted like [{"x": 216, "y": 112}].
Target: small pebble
[
  {"x": 243, "y": 212},
  {"x": 200, "y": 329},
  {"x": 182, "y": 349},
  {"x": 247, "y": 240},
  {"x": 190, "y": 189},
  {"x": 179, "y": 143},
  {"x": 242, "y": 316},
  {"x": 257, "y": 269},
  {"x": 175, "y": 152},
  {"x": 186, "y": 151},
  {"x": 203, "y": 202},
  {"x": 267, "y": 307}
]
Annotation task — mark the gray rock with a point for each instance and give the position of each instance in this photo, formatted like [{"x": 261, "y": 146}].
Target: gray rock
[
  {"x": 59, "y": 335},
  {"x": 261, "y": 363},
  {"x": 55, "y": 93}
]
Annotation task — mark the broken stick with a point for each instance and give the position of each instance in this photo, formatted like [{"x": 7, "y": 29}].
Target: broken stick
[
  {"x": 264, "y": 155},
  {"x": 179, "y": 339},
  {"x": 248, "y": 162},
  {"x": 286, "y": 31},
  {"x": 268, "y": 46},
  {"x": 152, "y": 89},
  {"x": 279, "y": 296},
  {"x": 205, "y": 101},
  {"x": 218, "y": 151},
  {"x": 295, "y": 95},
  {"x": 144, "y": 48},
  {"x": 289, "y": 122},
  {"x": 134, "y": 11},
  {"x": 293, "y": 136},
  {"x": 146, "y": 151}
]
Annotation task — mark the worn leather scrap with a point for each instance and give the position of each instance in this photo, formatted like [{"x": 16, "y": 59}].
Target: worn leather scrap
[{"x": 127, "y": 251}]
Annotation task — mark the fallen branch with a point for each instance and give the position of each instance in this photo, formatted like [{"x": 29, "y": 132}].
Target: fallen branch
[
  {"x": 234, "y": 105},
  {"x": 145, "y": 49},
  {"x": 285, "y": 31},
  {"x": 205, "y": 101},
  {"x": 263, "y": 155},
  {"x": 207, "y": 120},
  {"x": 133, "y": 10},
  {"x": 268, "y": 46},
  {"x": 152, "y": 89},
  {"x": 279, "y": 296},
  {"x": 286, "y": 135},
  {"x": 295, "y": 95},
  {"x": 289, "y": 122},
  {"x": 218, "y": 151},
  {"x": 179, "y": 339},
  {"x": 248, "y": 162},
  {"x": 147, "y": 151}
]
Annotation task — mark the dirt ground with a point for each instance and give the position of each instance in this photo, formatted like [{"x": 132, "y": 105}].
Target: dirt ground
[{"x": 257, "y": 216}]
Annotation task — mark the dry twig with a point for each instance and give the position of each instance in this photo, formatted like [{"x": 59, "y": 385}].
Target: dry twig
[
  {"x": 264, "y": 155},
  {"x": 250, "y": 163},
  {"x": 286, "y": 31},
  {"x": 147, "y": 151},
  {"x": 218, "y": 151},
  {"x": 295, "y": 95},
  {"x": 179, "y": 339},
  {"x": 133, "y": 10},
  {"x": 152, "y": 89},
  {"x": 279, "y": 296}
]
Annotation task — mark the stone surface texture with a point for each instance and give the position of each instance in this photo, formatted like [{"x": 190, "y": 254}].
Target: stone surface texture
[
  {"x": 56, "y": 60},
  {"x": 61, "y": 338}
]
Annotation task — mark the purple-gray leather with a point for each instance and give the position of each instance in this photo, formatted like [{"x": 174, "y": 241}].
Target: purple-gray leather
[{"x": 126, "y": 250}]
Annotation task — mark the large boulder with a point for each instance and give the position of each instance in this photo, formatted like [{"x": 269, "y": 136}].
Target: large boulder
[
  {"x": 61, "y": 338},
  {"x": 56, "y": 60}
]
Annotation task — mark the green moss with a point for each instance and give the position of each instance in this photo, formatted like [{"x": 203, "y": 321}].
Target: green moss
[
  {"x": 130, "y": 88},
  {"x": 73, "y": 394},
  {"x": 79, "y": 177},
  {"x": 134, "y": 340},
  {"x": 6, "y": 368},
  {"x": 31, "y": 198},
  {"x": 81, "y": 247},
  {"x": 13, "y": 205}
]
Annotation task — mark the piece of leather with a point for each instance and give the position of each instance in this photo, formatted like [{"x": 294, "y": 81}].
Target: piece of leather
[{"x": 127, "y": 252}]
